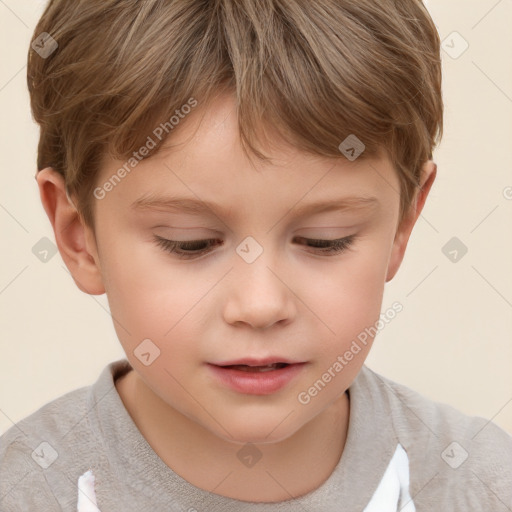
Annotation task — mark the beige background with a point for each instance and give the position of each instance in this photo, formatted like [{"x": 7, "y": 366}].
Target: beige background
[{"x": 452, "y": 342}]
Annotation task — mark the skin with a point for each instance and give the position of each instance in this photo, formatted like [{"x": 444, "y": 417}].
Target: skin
[{"x": 292, "y": 301}]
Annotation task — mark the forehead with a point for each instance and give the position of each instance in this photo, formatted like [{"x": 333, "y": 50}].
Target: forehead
[{"x": 203, "y": 160}]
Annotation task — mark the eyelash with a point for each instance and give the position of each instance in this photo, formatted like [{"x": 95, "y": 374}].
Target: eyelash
[{"x": 331, "y": 248}]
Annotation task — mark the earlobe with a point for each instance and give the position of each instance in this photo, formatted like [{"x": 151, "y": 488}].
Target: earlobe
[
  {"x": 73, "y": 238},
  {"x": 404, "y": 231}
]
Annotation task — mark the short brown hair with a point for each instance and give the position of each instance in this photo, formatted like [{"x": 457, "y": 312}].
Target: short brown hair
[{"x": 316, "y": 71}]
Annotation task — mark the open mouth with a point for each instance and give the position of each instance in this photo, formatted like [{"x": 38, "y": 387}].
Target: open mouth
[
  {"x": 247, "y": 368},
  {"x": 254, "y": 378}
]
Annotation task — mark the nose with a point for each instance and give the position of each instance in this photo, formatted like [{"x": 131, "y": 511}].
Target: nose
[{"x": 259, "y": 295}]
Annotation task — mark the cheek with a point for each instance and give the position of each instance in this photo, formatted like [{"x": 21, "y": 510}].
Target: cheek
[
  {"x": 347, "y": 304},
  {"x": 348, "y": 297},
  {"x": 151, "y": 297},
  {"x": 148, "y": 298}
]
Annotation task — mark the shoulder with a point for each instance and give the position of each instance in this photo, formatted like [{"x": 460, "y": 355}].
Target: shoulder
[
  {"x": 413, "y": 412},
  {"x": 414, "y": 408},
  {"x": 453, "y": 457},
  {"x": 52, "y": 419},
  {"x": 35, "y": 452},
  {"x": 43, "y": 455}
]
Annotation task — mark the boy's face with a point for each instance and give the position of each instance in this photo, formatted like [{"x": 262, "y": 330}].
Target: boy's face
[{"x": 261, "y": 291}]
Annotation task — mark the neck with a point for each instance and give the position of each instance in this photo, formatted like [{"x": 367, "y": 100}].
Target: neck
[{"x": 291, "y": 468}]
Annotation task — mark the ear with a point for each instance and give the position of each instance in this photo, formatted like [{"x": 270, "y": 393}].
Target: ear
[
  {"x": 428, "y": 175},
  {"x": 75, "y": 240}
]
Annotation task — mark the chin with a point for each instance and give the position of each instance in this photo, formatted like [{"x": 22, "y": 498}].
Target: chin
[{"x": 256, "y": 432}]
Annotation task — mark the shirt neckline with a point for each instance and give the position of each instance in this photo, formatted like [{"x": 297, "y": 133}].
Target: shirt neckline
[{"x": 369, "y": 447}]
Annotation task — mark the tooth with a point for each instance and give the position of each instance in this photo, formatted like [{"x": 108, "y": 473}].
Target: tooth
[{"x": 246, "y": 368}]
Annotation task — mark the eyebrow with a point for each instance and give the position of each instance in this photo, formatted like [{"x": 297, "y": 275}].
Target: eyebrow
[{"x": 199, "y": 207}]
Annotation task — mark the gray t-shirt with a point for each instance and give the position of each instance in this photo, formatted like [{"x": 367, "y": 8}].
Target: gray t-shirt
[{"x": 403, "y": 452}]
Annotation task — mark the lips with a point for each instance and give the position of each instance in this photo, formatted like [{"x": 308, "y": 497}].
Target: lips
[
  {"x": 249, "y": 368},
  {"x": 256, "y": 376},
  {"x": 258, "y": 362}
]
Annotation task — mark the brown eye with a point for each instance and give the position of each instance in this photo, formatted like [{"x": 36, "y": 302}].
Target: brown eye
[
  {"x": 194, "y": 248},
  {"x": 186, "y": 249},
  {"x": 329, "y": 247}
]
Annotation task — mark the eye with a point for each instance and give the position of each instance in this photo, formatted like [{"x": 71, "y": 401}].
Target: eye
[
  {"x": 329, "y": 247},
  {"x": 195, "y": 248},
  {"x": 188, "y": 249}
]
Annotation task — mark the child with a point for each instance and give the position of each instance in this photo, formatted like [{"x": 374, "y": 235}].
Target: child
[{"x": 241, "y": 179}]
